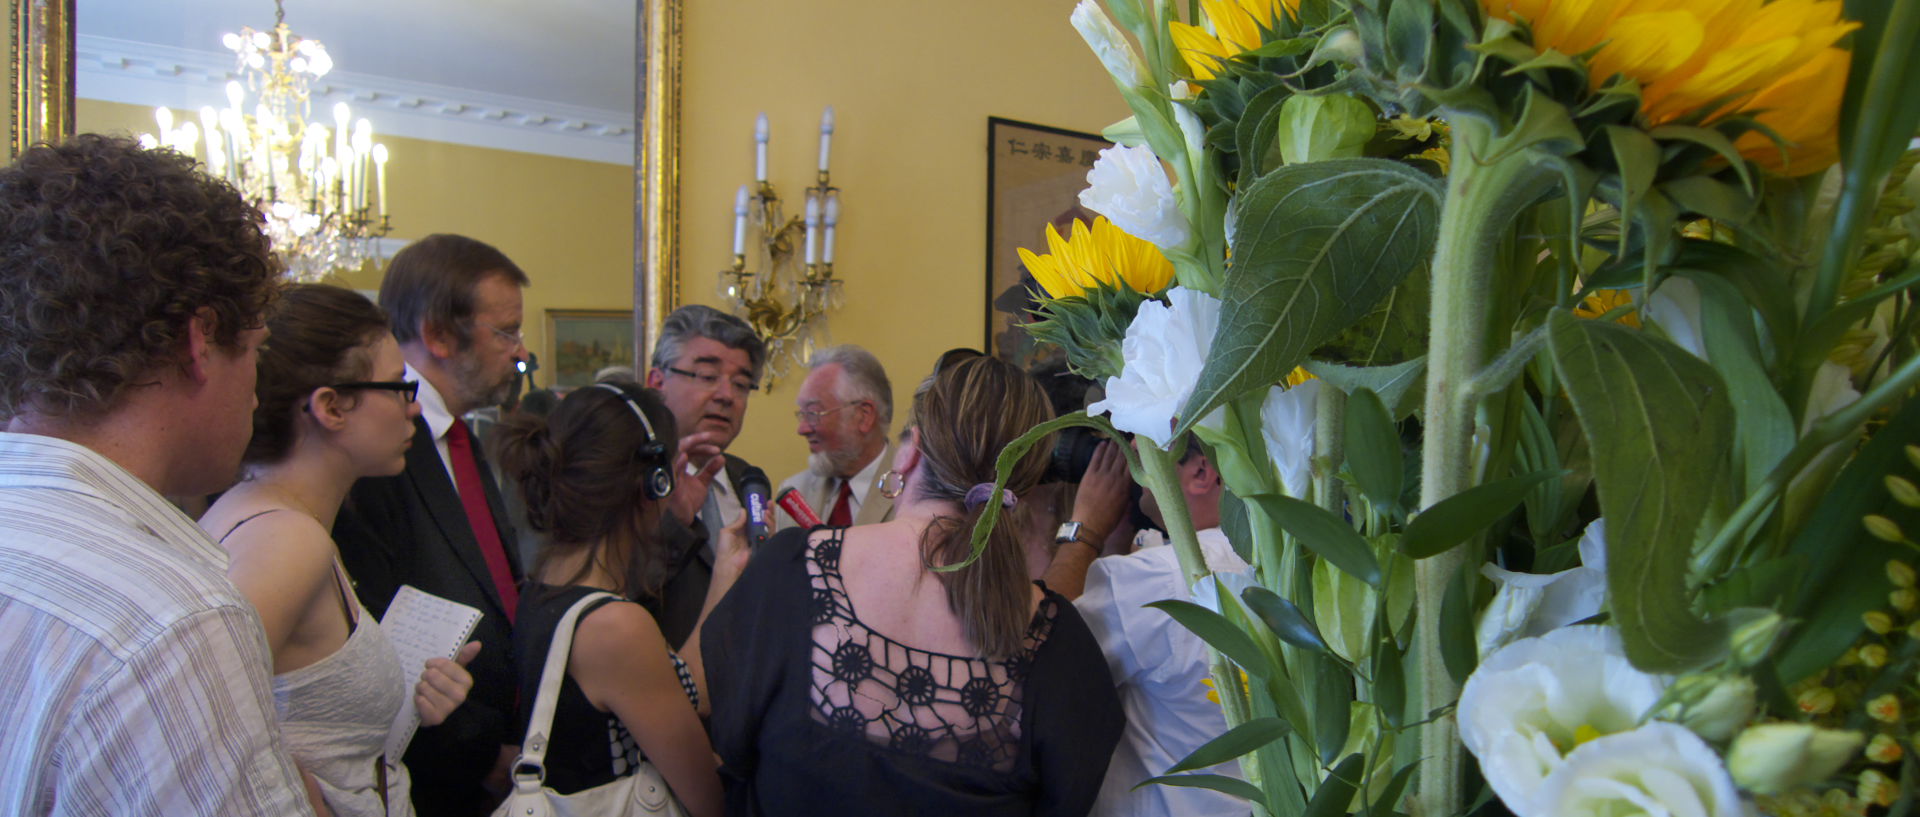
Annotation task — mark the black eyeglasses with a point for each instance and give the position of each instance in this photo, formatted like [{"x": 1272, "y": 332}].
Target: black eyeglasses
[
  {"x": 711, "y": 380},
  {"x": 407, "y": 389}
]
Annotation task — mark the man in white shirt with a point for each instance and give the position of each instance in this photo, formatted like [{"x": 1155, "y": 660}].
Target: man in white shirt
[
  {"x": 1157, "y": 664},
  {"x": 845, "y": 413},
  {"x": 131, "y": 296}
]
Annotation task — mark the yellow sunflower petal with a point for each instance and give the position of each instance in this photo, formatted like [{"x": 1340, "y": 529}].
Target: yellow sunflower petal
[
  {"x": 1203, "y": 54},
  {"x": 1648, "y": 46},
  {"x": 1046, "y": 273},
  {"x": 1801, "y": 108}
]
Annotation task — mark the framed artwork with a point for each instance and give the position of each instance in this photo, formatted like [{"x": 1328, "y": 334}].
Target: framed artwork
[
  {"x": 1034, "y": 177},
  {"x": 584, "y": 341}
]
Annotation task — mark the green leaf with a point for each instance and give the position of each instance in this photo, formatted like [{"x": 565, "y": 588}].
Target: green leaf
[
  {"x": 1710, "y": 139},
  {"x": 1315, "y": 247},
  {"x": 1409, "y": 33},
  {"x": 1288, "y": 47},
  {"x": 1283, "y": 618},
  {"x": 1236, "y": 742},
  {"x": 1452, "y": 520},
  {"x": 1715, "y": 200},
  {"x": 1343, "y": 609},
  {"x": 1457, "y": 642},
  {"x": 1011, "y": 455},
  {"x": 1763, "y": 426},
  {"x": 1336, "y": 792},
  {"x": 1637, "y": 157},
  {"x": 1255, "y": 131},
  {"x": 1400, "y": 386},
  {"x": 1373, "y": 448},
  {"x": 1765, "y": 584},
  {"x": 1217, "y": 782},
  {"x": 1332, "y": 708},
  {"x": 1389, "y": 680},
  {"x": 1235, "y": 524},
  {"x": 1390, "y": 795},
  {"x": 1878, "y": 117},
  {"x": 1219, "y": 633},
  {"x": 1325, "y": 534},
  {"x": 1661, "y": 428}
]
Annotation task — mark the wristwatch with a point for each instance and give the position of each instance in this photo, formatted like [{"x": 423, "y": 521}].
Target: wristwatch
[{"x": 1070, "y": 532}]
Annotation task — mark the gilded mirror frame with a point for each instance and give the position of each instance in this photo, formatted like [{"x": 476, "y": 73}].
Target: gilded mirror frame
[
  {"x": 41, "y": 57},
  {"x": 656, "y": 171}
]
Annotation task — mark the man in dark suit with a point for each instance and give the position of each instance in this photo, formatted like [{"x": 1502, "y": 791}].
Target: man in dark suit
[
  {"x": 705, "y": 365},
  {"x": 454, "y": 304}
]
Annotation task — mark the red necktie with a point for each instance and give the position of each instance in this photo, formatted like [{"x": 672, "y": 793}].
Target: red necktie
[
  {"x": 842, "y": 515},
  {"x": 473, "y": 497}
]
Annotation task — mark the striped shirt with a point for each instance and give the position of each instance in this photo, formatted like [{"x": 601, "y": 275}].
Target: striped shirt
[{"x": 133, "y": 675}]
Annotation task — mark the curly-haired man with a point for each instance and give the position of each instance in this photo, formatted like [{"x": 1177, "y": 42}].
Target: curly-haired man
[{"x": 131, "y": 292}]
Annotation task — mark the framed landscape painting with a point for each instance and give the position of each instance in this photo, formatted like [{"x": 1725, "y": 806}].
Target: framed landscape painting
[{"x": 584, "y": 341}]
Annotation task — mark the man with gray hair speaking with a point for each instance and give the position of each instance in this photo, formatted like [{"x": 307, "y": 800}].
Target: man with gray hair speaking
[{"x": 845, "y": 411}]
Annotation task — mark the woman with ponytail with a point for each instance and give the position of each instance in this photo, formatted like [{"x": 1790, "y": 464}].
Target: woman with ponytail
[
  {"x": 850, "y": 674},
  {"x": 333, "y": 407},
  {"x": 593, "y": 474}
]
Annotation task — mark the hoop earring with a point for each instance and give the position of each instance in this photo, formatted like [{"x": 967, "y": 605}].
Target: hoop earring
[{"x": 892, "y": 484}]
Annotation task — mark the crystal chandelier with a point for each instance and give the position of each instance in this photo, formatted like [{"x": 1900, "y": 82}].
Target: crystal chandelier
[{"x": 324, "y": 191}]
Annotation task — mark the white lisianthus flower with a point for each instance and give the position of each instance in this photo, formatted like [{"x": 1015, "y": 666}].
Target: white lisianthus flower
[
  {"x": 1130, "y": 187},
  {"x": 1531, "y": 604},
  {"x": 1775, "y": 757},
  {"x": 1286, "y": 426},
  {"x": 1659, "y": 768},
  {"x": 1164, "y": 350},
  {"x": 1534, "y": 700},
  {"x": 1109, "y": 44}
]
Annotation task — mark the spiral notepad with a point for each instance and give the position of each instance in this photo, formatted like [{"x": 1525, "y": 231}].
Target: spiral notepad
[{"x": 421, "y": 626}]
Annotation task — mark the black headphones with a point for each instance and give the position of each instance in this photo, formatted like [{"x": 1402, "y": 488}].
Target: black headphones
[{"x": 659, "y": 476}]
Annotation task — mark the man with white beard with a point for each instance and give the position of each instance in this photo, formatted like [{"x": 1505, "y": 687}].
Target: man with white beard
[{"x": 845, "y": 412}]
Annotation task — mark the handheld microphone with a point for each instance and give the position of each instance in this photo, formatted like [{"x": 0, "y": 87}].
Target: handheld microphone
[
  {"x": 754, "y": 489},
  {"x": 796, "y": 506}
]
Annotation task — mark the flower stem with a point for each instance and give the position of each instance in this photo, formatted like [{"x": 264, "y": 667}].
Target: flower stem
[{"x": 1483, "y": 195}]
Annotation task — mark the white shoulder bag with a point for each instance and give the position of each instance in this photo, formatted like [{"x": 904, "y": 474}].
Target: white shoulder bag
[{"x": 642, "y": 792}]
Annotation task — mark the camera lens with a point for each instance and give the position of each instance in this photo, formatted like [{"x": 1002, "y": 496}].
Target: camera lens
[{"x": 1072, "y": 453}]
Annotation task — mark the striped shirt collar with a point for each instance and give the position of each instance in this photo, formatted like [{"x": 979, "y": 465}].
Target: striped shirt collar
[
  {"x": 38, "y": 461},
  {"x": 433, "y": 407}
]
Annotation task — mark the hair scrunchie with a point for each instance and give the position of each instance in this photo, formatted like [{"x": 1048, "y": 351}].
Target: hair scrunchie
[{"x": 978, "y": 495}]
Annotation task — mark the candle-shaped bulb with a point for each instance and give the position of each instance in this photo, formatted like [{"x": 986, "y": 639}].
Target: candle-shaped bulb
[
  {"x": 813, "y": 230},
  {"x": 380, "y": 175},
  {"x": 826, "y": 137},
  {"x": 235, "y": 94},
  {"x": 231, "y": 41},
  {"x": 760, "y": 136},
  {"x": 362, "y": 136},
  {"x": 833, "y": 211},
  {"x": 341, "y": 113},
  {"x": 164, "y": 116},
  {"x": 740, "y": 221},
  {"x": 209, "y": 118}
]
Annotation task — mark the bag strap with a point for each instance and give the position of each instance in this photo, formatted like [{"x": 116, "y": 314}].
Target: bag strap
[{"x": 533, "y": 750}]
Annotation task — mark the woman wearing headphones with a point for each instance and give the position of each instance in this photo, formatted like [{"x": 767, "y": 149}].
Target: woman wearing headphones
[{"x": 593, "y": 474}]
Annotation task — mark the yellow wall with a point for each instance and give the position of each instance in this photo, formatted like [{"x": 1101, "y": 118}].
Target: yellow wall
[{"x": 913, "y": 84}]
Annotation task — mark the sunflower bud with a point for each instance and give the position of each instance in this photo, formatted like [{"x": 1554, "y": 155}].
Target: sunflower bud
[
  {"x": 1774, "y": 757},
  {"x": 1903, "y": 491},
  {"x": 1878, "y": 621},
  {"x": 1884, "y": 749},
  {"x": 1883, "y": 528}
]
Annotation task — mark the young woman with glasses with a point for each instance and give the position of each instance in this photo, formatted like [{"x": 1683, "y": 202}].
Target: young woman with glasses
[{"x": 333, "y": 408}]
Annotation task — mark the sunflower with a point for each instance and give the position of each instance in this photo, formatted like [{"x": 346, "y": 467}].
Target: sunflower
[
  {"x": 1603, "y": 301},
  {"x": 1232, "y": 27},
  {"x": 1103, "y": 255},
  {"x": 1709, "y": 59}
]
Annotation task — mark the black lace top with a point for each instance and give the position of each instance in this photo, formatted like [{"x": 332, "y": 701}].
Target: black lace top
[{"x": 815, "y": 713}]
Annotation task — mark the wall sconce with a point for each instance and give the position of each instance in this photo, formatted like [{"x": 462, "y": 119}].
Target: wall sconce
[{"x": 786, "y": 300}]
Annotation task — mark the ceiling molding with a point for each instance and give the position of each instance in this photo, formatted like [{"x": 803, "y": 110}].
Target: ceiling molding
[{"x": 139, "y": 73}]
